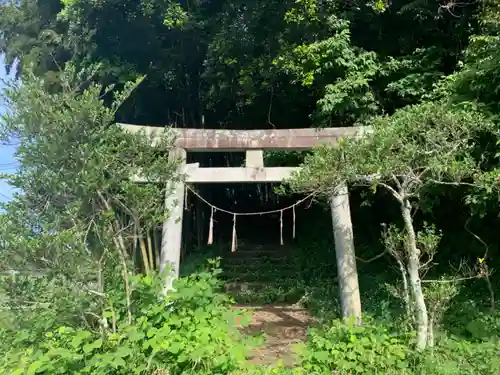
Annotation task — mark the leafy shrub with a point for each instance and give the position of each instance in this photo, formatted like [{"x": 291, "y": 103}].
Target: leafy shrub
[
  {"x": 42, "y": 304},
  {"x": 191, "y": 331},
  {"x": 470, "y": 319},
  {"x": 484, "y": 326},
  {"x": 460, "y": 357},
  {"x": 268, "y": 294},
  {"x": 346, "y": 348}
]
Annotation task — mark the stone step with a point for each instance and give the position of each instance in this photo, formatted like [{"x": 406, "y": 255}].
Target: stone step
[
  {"x": 258, "y": 276},
  {"x": 286, "y": 263},
  {"x": 258, "y": 286},
  {"x": 263, "y": 250},
  {"x": 259, "y": 267},
  {"x": 262, "y": 258},
  {"x": 258, "y": 263}
]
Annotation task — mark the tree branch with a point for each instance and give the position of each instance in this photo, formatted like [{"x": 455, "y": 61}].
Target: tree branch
[
  {"x": 396, "y": 181},
  {"x": 373, "y": 258},
  {"x": 453, "y": 280},
  {"x": 483, "y": 265},
  {"x": 396, "y": 195}
]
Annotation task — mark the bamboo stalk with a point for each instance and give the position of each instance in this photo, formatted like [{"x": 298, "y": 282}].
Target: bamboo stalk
[
  {"x": 144, "y": 254},
  {"x": 150, "y": 252}
]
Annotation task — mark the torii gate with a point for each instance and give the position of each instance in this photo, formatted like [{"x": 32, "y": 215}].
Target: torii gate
[{"x": 253, "y": 143}]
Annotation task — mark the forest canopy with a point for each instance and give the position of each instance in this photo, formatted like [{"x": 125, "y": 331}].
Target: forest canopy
[{"x": 267, "y": 63}]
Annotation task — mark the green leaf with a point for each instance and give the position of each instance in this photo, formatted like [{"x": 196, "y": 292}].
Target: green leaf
[
  {"x": 87, "y": 348},
  {"x": 34, "y": 367},
  {"x": 175, "y": 347},
  {"x": 322, "y": 356}
]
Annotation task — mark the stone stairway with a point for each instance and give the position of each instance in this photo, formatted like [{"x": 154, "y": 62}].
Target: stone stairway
[
  {"x": 258, "y": 263},
  {"x": 263, "y": 280},
  {"x": 254, "y": 269}
]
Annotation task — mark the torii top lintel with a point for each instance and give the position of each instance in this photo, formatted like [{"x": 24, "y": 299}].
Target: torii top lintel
[{"x": 241, "y": 140}]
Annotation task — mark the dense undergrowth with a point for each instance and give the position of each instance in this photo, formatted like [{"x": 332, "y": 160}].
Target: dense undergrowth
[
  {"x": 467, "y": 330},
  {"x": 193, "y": 331}
]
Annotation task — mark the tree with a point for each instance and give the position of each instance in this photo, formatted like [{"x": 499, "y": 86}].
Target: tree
[
  {"x": 33, "y": 37},
  {"x": 406, "y": 154},
  {"x": 478, "y": 82},
  {"x": 78, "y": 214},
  {"x": 237, "y": 63}
]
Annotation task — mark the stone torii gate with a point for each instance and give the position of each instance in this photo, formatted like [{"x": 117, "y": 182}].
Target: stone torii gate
[{"x": 254, "y": 143}]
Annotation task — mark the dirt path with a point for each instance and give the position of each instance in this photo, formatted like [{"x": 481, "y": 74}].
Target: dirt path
[{"x": 283, "y": 326}]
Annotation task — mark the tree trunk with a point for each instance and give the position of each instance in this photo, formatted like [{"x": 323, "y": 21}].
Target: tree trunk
[
  {"x": 430, "y": 338},
  {"x": 413, "y": 264},
  {"x": 406, "y": 291}
]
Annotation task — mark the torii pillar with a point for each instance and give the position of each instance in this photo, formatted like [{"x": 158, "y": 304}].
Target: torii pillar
[{"x": 347, "y": 273}]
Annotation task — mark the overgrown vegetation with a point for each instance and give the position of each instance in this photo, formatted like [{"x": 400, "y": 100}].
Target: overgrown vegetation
[
  {"x": 417, "y": 147},
  {"x": 79, "y": 293},
  {"x": 192, "y": 331}
]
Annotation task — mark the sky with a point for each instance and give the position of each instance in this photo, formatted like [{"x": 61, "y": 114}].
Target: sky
[{"x": 7, "y": 161}]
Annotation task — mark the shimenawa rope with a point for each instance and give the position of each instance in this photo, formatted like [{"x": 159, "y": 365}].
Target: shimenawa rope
[{"x": 214, "y": 208}]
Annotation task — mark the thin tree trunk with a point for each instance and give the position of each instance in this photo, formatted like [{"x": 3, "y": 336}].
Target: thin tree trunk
[
  {"x": 491, "y": 290},
  {"x": 422, "y": 317},
  {"x": 138, "y": 238},
  {"x": 100, "y": 288},
  {"x": 145, "y": 258},
  {"x": 406, "y": 292},
  {"x": 157, "y": 248},
  {"x": 122, "y": 251},
  {"x": 115, "y": 232},
  {"x": 430, "y": 333},
  {"x": 150, "y": 251}
]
